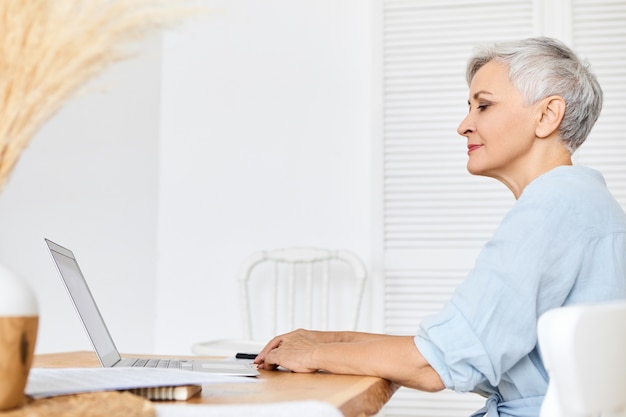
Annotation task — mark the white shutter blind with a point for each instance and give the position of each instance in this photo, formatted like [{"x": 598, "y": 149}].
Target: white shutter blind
[
  {"x": 436, "y": 215},
  {"x": 599, "y": 34}
]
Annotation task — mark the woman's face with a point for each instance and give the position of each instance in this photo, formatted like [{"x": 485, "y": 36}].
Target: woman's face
[{"x": 500, "y": 128}]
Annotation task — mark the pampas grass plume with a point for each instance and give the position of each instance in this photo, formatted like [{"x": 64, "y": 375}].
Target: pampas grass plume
[{"x": 50, "y": 48}]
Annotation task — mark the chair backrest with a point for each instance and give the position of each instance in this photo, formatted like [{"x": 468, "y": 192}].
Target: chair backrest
[
  {"x": 584, "y": 352},
  {"x": 313, "y": 288}
]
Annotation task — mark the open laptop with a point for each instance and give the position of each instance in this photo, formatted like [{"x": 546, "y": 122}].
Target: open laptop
[{"x": 100, "y": 337}]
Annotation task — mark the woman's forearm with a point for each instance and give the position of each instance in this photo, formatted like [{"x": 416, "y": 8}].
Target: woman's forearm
[
  {"x": 348, "y": 337},
  {"x": 391, "y": 357}
]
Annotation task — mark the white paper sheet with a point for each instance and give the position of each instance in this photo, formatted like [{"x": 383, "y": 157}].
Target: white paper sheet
[
  {"x": 49, "y": 382},
  {"x": 283, "y": 409}
]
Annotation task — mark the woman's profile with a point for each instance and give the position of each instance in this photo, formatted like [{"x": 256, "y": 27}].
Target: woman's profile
[{"x": 531, "y": 105}]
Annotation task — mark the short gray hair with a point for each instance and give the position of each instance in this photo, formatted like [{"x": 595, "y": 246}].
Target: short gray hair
[{"x": 541, "y": 67}]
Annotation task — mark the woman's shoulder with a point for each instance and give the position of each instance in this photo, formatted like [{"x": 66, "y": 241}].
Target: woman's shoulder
[
  {"x": 574, "y": 191},
  {"x": 575, "y": 183},
  {"x": 575, "y": 175}
]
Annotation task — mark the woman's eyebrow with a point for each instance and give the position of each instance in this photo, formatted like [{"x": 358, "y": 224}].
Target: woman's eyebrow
[{"x": 478, "y": 94}]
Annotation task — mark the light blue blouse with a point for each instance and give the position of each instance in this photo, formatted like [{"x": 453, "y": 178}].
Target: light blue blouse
[{"x": 563, "y": 242}]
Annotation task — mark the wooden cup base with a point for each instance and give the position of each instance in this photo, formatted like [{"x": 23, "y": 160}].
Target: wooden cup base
[{"x": 17, "y": 346}]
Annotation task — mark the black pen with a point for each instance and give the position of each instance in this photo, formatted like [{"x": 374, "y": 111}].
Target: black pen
[{"x": 246, "y": 355}]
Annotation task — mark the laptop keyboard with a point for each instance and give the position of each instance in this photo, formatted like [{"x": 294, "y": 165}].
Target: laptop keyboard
[{"x": 161, "y": 363}]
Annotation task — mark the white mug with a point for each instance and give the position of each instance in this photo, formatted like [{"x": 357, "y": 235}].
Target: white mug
[{"x": 19, "y": 319}]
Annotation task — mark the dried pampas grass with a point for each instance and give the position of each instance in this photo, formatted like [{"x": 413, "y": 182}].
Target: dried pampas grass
[{"x": 49, "y": 48}]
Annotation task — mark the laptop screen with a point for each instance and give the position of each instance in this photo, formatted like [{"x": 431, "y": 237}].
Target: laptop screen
[{"x": 85, "y": 304}]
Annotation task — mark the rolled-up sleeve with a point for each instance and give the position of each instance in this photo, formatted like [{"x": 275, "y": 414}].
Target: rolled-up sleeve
[{"x": 490, "y": 322}]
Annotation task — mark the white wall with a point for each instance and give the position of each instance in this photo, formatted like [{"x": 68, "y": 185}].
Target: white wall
[
  {"x": 265, "y": 142},
  {"x": 264, "y": 126}
]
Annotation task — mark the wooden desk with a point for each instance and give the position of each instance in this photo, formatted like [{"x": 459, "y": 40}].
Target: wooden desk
[{"x": 352, "y": 395}]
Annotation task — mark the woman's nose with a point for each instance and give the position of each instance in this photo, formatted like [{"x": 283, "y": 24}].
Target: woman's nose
[{"x": 466, "y": 126}]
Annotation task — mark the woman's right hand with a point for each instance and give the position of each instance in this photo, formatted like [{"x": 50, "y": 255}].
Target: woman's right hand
[{"x": 291, "y": 350}]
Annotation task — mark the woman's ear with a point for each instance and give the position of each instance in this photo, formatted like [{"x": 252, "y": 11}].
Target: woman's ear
[{"x": 552, "y": 111}]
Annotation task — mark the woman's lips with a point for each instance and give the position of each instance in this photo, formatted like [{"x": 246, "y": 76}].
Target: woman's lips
[{"x": 471, "y": 148}]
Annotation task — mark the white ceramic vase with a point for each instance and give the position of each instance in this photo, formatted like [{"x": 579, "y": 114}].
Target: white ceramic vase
[{"x": 19, "y": 319}]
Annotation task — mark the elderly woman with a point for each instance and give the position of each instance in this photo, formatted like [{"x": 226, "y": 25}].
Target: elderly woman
[{"x": 531, "y": 103}]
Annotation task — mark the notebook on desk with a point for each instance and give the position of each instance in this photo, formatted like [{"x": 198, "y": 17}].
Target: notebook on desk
[{"x": 100, "y": 337}]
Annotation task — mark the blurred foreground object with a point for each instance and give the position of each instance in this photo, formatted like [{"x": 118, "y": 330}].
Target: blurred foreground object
[{"x": 584, "y": 352}]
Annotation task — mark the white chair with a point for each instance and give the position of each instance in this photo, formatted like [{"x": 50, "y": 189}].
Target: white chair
[
  {"x": 584, "y": 352},
  {"x": 285, "y": 289}
]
